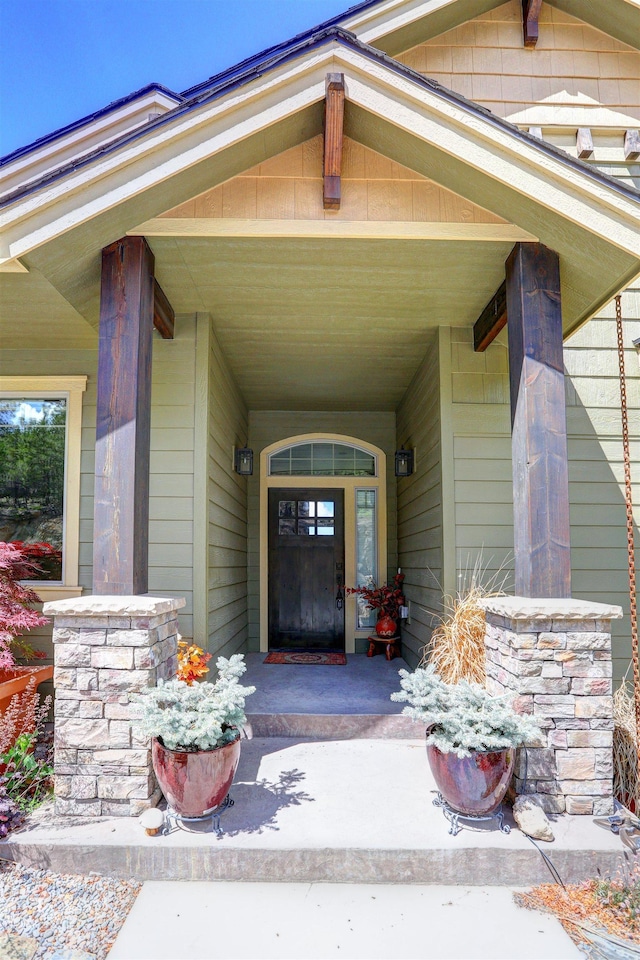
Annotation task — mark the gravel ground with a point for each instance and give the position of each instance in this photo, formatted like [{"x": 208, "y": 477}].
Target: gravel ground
[{"x": 64, "y": 913}]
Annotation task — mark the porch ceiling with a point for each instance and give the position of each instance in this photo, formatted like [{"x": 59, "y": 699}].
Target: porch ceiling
[{"x": 326, "y": 324}]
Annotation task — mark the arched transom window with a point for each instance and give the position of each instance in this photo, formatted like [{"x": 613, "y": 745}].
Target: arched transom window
[{"x": 322, "y": 459}]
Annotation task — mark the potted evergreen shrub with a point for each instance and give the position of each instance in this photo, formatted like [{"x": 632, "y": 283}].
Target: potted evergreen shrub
[
  {"x": 472, "y": 738},
  {"x": 195, "y": 731}
]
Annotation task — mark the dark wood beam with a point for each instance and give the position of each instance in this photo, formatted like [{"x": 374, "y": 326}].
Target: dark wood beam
[
  {"x": 333, "y": 137},
  {"x": 164, "y": 318},
  {"x": 491, "y": 321},
  {"x": 538, "y": 417},
  {"x": 530, "y": 15},
  {"x": 121, "y": 501}
]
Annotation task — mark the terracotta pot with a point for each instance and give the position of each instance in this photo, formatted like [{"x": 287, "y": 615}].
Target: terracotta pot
[
  {"x": 386, "y": 626},
  {"x": 473, "y": 785},
  {"x": 13, "y": 682},
  {"x": 195, "y": 783}
]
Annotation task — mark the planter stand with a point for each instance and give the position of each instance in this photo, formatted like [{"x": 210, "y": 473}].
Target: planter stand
[
  {"x": 453, "y": 816},
  {"x": 175, "y": 820}
]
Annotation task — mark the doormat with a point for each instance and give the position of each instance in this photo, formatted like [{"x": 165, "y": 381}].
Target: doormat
[{"x": 324, "y": 659}]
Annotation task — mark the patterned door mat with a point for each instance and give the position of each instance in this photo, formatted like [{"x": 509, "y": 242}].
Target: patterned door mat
[{"x": 330, "y": 658}]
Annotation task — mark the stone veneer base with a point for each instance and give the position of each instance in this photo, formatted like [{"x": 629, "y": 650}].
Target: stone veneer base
[
  {"x": 554, "y": 655},
  {"x": 106, "y": 648}
]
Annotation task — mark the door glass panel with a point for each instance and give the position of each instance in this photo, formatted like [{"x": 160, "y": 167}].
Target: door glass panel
[
  {"x": 306, "y": 528},
  {"x": 306, "y": 508},
  {"x": 366, "y": 551},
  {"x": 287, "y": 508},
  {"x": 325, "y": 508},
  {"x": 286, "y": 527}
]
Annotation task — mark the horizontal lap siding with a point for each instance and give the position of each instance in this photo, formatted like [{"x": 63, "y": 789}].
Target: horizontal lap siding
[
  {"x": 227, "y": 511},
  {"x": 596, "y": 474},
  {"x": 171, "y": 468},
  {"x": 420, "y": 506},
  {"x": 171, "y": 472},
  {"x": 482, "y": 460}
]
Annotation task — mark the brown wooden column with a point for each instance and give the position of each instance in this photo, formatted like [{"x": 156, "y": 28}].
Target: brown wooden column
[
  {"x": 121, "y": 507},
  {"x": 538, "y": 418}
]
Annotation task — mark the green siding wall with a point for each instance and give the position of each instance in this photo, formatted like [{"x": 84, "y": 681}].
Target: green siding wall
[
  {"x": 420, "y": 505},
  {"x": 267, "y": 427},
  {"x": 226, "y": 521},
  {"x": 171, "y": 470},
  {"x": 482, "y": 458}
]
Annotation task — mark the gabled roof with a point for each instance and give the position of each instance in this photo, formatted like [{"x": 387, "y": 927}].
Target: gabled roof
[
  {"x": 389, "y": 25},
  {"x": 60, "y": 222},
  {"x": 227, "y": 81}
]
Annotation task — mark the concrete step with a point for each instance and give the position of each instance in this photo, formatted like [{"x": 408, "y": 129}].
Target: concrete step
[
  {"x": 326, "y": 726},
  {"x": 340, "y": 810}
]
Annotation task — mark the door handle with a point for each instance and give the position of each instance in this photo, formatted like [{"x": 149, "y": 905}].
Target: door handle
[{"x": 340, "y": 585}]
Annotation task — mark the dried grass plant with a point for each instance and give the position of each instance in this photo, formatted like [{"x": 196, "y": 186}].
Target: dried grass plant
[
  {"x": 25, "y": 713},
  {"x": 626, "y": 781},
  {"x": 456, "y": 648}
]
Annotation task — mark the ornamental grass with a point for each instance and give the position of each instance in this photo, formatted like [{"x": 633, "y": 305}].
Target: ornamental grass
[
  {"x": 626, "y": 781},
  {"x": 457, "y": 647},
  {"x": 600, "y": 906}
]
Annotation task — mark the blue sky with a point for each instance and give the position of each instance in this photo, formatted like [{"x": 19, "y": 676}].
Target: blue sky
[{"x": 63, "y": 59}]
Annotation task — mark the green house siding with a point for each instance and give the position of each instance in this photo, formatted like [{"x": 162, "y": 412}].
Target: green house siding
[
  {"x": 171, "y": 469},
  {"x": 221, "y": 574},
  {"x": 267, "y": 427},
  {"x": 420, "y": 505},
  {"x": 482, "y": 458}
]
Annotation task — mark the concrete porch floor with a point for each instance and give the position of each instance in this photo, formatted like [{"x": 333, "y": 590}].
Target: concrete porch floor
[{"x": 347, "y": 803}]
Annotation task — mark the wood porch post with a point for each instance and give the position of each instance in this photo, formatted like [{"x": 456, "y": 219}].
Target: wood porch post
[
  {"x": 121, "y": 505},
  {"x": 538, "y": 419}
]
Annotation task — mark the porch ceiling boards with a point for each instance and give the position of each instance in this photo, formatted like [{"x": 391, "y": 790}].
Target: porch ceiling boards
[{"x": 336, "y": 324}]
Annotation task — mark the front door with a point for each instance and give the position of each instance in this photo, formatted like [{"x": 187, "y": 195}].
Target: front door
[{"x": 306, "y": 568}]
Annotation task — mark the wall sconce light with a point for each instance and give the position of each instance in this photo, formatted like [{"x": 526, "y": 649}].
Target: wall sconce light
[
  {"x": 243, "y": 462},
  {"x": 404, "y": 463}
]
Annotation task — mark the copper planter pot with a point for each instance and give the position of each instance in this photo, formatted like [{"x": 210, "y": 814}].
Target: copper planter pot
[
  {"x": 386, "y": 626},
  {"x": 195, "y": 783},
  {"x": 475, "y": 785}
]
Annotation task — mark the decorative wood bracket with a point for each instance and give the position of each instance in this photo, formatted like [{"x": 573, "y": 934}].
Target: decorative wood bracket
[
  {"x": 333, "y": 136},
  {"x": 530, "y": 14},
  {"x": 632, "y": 145},
  {"x": 164, "y": 317},
  {"x": 491, "y": 320},
  {"x": 584, "y": 143}
]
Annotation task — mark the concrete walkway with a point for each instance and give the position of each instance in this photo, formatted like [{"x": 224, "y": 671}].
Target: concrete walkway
[{"x": 259, "y": 921}]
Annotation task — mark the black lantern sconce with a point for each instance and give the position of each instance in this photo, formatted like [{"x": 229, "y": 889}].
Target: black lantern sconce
[
  {"x": 404, "y": 463},
  {"x": 243, "y": 461}
]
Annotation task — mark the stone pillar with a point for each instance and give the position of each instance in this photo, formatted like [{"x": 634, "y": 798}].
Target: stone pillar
[
  {"x": 555, "y": 657},
  {"x": 104, "y": 649}
]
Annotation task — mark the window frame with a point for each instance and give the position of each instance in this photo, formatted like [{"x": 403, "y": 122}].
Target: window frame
[{"x": 71, "y": 389}]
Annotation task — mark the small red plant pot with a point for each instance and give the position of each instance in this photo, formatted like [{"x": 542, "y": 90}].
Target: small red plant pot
[{"x": 386, "y": 626}]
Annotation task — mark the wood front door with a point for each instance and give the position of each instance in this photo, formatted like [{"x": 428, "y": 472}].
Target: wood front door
[{"x": 306, "y": 568}]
